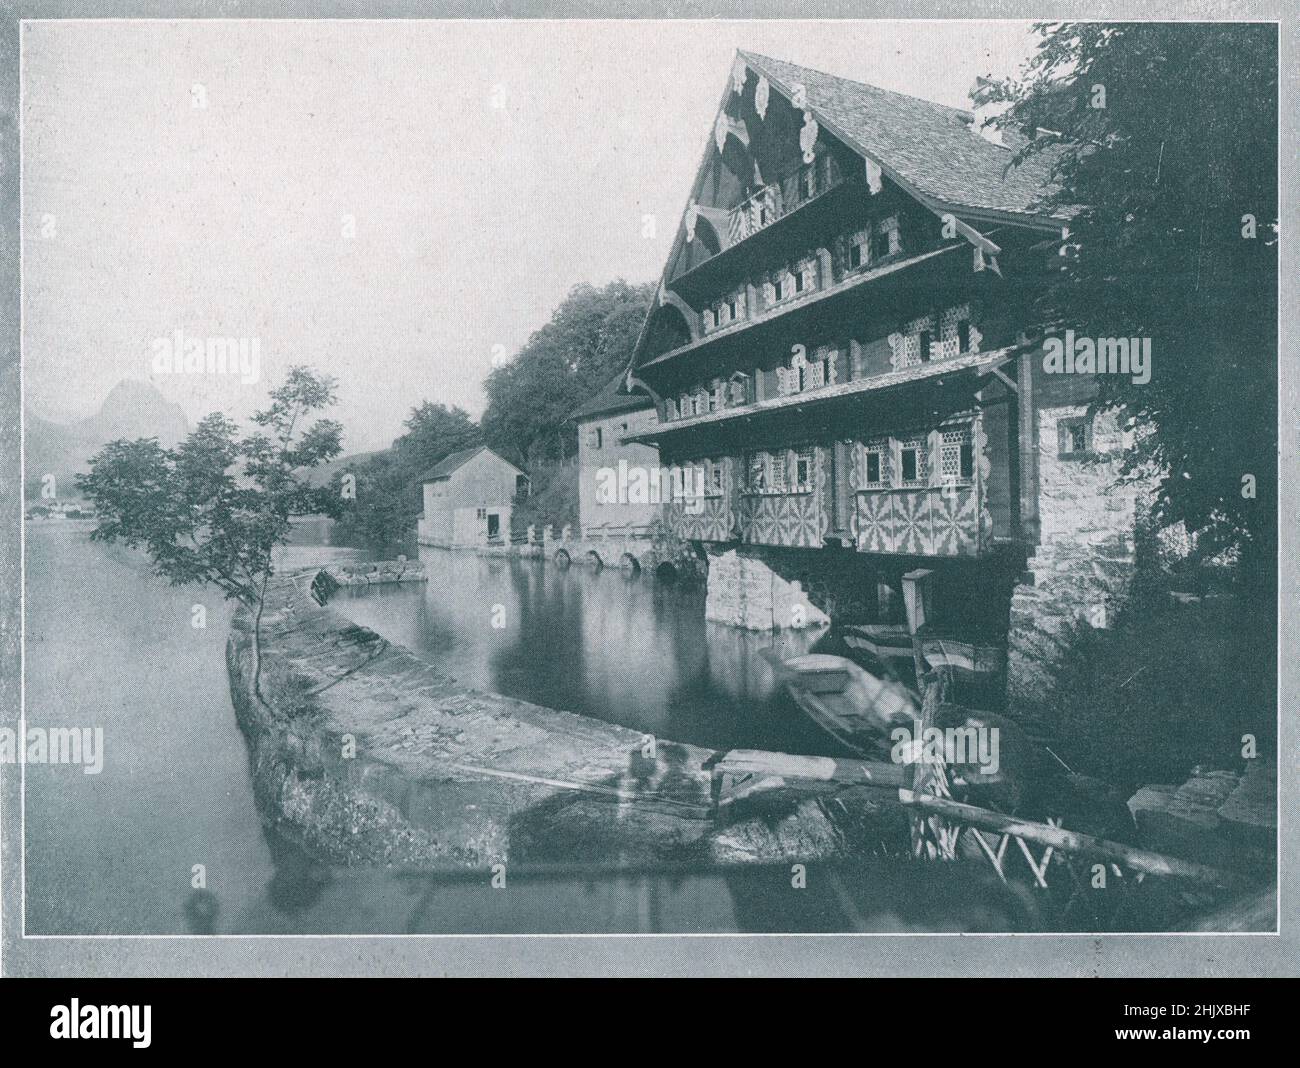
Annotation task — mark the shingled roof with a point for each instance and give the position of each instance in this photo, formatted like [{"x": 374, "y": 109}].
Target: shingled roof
[
  {"x": 451, "y": 463},
  {"x": 610, "y": 400},
  {"x": 929, "y": 148}
]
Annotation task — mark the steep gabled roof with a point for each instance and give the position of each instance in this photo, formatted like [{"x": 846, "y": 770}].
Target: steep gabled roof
[
  {"x": 453, "y": 462},
  {"x": 930, "y": 149},
  {"x": 611, "y": 399}
]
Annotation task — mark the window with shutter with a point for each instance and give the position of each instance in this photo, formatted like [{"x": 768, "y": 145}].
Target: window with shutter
[
  {"x": 956, "y": 457},
  {"x": 780, "y": 480}
]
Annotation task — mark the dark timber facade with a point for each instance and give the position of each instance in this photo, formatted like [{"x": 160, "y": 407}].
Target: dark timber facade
[{"x": 836, "y": 353}]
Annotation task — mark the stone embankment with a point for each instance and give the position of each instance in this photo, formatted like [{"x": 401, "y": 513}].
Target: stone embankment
[{"x": 366, "y": 754}]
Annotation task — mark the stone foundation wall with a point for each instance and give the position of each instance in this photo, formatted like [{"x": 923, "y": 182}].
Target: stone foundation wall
[
  {"x": 751, "y": 589},
  {"x": 1082, "y": 570}
]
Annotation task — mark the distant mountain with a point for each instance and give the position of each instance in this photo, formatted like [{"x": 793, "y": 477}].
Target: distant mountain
[{"x": 132, "y": 409}]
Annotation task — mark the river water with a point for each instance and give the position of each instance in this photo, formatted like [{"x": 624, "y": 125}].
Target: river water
[
  {"x": 111, "y": 646},
  {"x": 628, "y": 649}
]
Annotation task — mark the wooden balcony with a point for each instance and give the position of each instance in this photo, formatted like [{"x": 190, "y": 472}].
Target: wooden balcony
[
  {"x": 780, "y": 198},
  {"x": 937, "y": 521}
]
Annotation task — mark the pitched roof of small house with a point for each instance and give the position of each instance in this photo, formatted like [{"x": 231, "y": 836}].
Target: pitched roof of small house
[
  {"x": 450, "y": 464},
  {"x": 611, "y": 399},
  {"x": 930, "y": 148}
]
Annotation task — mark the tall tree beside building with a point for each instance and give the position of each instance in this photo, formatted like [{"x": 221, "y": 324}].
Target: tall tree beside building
[
  {"x": 588, "y": 340},
  {"x": 386, "y": 498},
  {"x": 1167, "y": 133}
]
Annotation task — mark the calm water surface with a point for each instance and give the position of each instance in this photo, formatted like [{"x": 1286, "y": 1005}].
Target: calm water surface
[
  {"x": 630, "y": 650},
  {"x": 111, "y": 646}
]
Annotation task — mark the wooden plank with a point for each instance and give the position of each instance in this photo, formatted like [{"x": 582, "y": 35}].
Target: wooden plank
[{"x": 810, "y": 768}]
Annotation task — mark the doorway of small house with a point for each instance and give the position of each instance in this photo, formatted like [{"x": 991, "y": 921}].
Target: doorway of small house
[{"x": 494, "y": 525}]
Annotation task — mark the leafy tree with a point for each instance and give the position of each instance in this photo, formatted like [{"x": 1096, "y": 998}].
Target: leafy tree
[
  {"x": 1164, "y": 139},
  {"x": 588, "y": 340},
  {"x": 389, "y": 485},
  {"x": 214, "y": 508}
]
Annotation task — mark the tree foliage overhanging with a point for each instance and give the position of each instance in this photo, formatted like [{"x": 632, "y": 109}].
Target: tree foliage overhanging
[{"x": 1174, "y": 238}]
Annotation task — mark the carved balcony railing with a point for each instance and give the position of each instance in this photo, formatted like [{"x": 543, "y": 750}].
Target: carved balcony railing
[{"x": 781, "y": 197}]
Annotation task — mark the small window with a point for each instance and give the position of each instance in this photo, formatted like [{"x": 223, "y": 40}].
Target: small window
[
  {"x": 875, "y": 473},
  {"x": 1074, "y": 437},
  {"x": 598, "y": 439},
  {"x": 879, "y": 246},
  {"x": 715, "y": 478},
  {"x": 912, "y": 459},
  {"x": 798, "y": 282},
  {"x": 778, "y": 289},
  {"x": 803, "y": 469},
  {"x": 482, "y": 513},
  {"x": 780, "y": 480},
  {"x": 956, "y": 456},
  {"x": 734, "y": 308},
  {"x": 855, "y": 255},
  {"x": 963, "y": 336},
  {"x": 924, "y": 345}
]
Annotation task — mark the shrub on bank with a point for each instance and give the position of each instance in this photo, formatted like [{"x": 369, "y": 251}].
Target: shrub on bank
[
  {"x": 1168, "y": 687},
  {"x": 553, "y": 499}
]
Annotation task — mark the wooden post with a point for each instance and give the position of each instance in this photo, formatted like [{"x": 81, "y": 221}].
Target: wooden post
[
  {"x": 931, "y": 837},
  {"x": 916, "y": 598}
]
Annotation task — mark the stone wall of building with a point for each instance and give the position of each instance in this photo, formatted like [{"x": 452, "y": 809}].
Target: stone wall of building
[{"x": 1083, "y": 567}]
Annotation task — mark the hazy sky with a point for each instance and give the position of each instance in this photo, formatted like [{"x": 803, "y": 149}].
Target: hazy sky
[{"x": 393, "y": 202}]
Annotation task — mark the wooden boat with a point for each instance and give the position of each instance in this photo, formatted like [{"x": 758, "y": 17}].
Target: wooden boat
[
  {"x": 849, "y": 703},
  {"x": 963, "y": 656},
  {"x": 889, "y": 641},
  {"x": 882, "y": 640}
]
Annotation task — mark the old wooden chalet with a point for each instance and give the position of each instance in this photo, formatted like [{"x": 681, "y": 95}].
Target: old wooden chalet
[{"x": 838, "y": 352}]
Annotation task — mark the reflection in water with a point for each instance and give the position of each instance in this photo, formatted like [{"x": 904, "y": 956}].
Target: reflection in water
[
  {"x": 622, "y": 648},
  {"x": 113, "y": 853},
  {"x": 201, "y": 911}
]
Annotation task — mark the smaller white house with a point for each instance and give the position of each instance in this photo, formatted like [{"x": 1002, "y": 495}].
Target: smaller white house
[{"x": 468, "y": 498}]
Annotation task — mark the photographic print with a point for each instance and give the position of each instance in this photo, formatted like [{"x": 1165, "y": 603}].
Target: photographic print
[{"x": 645, "y": 476}]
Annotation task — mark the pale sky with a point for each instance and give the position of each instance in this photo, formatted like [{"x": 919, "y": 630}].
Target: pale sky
[{"x": 390, "y": 201}]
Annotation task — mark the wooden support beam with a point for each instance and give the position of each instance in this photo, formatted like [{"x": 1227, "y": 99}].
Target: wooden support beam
[{"x": 1074, "y": 842}]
